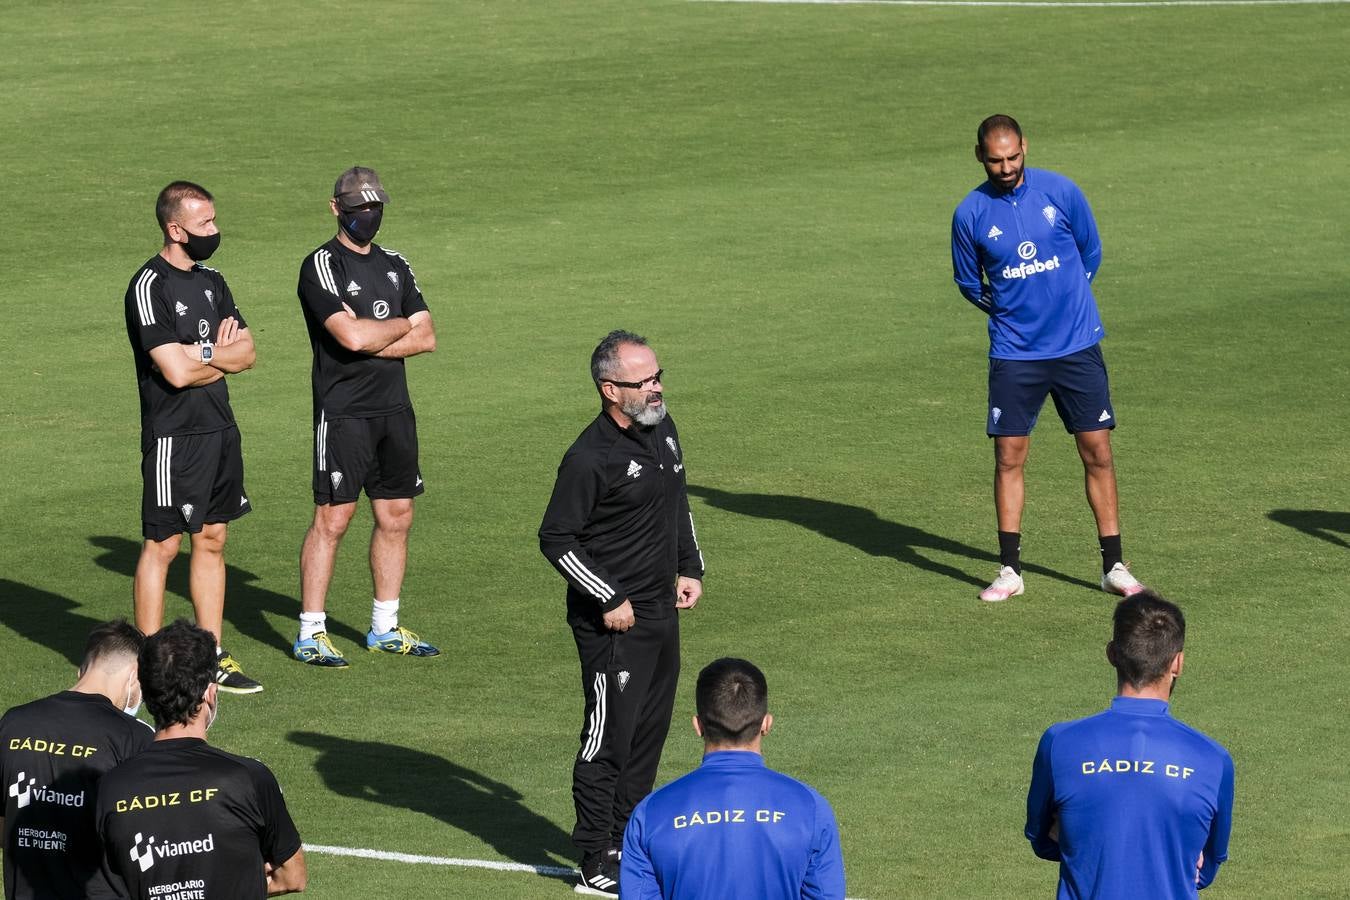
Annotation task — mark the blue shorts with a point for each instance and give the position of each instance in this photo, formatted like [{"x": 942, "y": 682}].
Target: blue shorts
[{"x": 1077, "y": 383}]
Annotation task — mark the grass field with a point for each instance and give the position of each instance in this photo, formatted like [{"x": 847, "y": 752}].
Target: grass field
[{"x": 766, "y": 191}]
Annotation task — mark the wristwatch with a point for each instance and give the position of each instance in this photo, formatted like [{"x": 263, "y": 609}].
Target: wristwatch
[{"x": 207, "y": 353}]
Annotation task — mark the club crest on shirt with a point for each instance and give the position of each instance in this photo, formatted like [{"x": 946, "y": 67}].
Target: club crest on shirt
[
  {"x": 187, "y": 511},
  {"x": 210, "y": 297},
  {"x": 393, "y": 278},
  {"x": 623, "y": 680},
  {"x": 670, "y": 442},
  {"x": 1049, "y": 213}
]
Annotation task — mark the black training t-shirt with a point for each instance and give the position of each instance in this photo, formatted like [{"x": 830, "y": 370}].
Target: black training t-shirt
[
  {"x": 185, "y": 821},
  {"x": 52, "y": 754},
  {"x": 165, "y": 305},
  {"x": 376, "y": 285}
]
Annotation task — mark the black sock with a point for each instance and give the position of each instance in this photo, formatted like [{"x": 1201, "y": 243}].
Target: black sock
[
  {"x": 1110, "y": 551},
  {"x": 1010, "y": 550}
]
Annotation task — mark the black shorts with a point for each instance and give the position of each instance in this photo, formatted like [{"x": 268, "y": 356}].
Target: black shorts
[
  {"x": 192, "y": 480},
  {"x": 1077, "y": 383},
  {"x": 377, "y": 455}
]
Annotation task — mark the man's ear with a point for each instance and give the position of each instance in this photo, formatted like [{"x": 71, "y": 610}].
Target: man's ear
[
  {"x": 1178, "y": 663},
  {"x": 766, "y": 725},
  {"x": 979, "y": 152},
  {"x": 698, "y": 726},
  {"x": 1111, "y": 653}
]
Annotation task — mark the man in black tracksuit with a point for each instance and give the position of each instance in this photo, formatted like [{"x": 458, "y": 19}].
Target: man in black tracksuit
[{"x": 618, "y": 528}]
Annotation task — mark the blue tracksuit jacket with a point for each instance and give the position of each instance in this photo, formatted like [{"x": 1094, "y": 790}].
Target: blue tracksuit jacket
[
  {"x": 1137, "y": 797},
  {"x": 1027, "y": 257},
  {"x": 734, "y": 829}
]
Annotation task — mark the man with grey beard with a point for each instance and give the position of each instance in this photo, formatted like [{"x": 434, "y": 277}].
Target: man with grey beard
[{"x": 619, "y": 530}]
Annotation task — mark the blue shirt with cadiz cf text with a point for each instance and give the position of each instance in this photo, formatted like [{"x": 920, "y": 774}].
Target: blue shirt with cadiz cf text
[
  {"x": 1027, "y": 257},
  {"x": 1127, "y": 801},
  {"x": 733, "y": 829}
]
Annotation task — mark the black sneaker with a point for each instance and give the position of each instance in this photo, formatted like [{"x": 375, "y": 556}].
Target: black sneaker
[
  {"x": 599, "y": 874},
  {"x": 231, "y": 677}
]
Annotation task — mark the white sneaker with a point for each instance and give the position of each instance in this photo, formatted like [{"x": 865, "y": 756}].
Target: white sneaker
[
  {"x": 1120, "y": 581},
  {"x": 1007, "y": 584}
]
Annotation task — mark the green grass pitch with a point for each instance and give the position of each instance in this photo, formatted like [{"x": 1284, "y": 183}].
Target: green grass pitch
[{"x": 766, "y": 192}]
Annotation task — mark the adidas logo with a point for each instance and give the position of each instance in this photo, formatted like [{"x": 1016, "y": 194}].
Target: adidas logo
[
  {"x": 1105, "y": 416},
  {"x": 179, "y": 308},
  {"x": 419, "y": 481},
  {"x": 353, "y": 287},
  {"x": 1049, "y": 213},
  {"x": 243, "y": 501},
  {"x": 994, "y": 233},
  {"x": 634, "y": 470}
]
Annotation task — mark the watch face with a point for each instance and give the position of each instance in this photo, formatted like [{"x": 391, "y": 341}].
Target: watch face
[{"x": 206, "y": 353}]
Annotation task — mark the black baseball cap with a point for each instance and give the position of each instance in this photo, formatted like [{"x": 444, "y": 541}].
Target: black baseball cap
[{"x": 358, "y": 186}]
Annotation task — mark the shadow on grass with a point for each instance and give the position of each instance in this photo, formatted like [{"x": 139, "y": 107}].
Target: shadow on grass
[
  {"x": 1319, "y": 523},
  {"x": 461, "y": 798},
  {"x": 46, "y": 618},
  {"x": 245, "y": 599},
  {"x": 861, "y": 528}
]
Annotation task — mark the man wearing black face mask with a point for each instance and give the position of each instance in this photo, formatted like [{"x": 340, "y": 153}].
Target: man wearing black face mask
[
  {"x": 365, "y": 315},
  {"x": 187, "y": 335}
]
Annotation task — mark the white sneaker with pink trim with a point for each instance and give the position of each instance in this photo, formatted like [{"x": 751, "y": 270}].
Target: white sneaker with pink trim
[
  {"x": 1007, "y": 584},
  {"x": 1120, "y": 581}
]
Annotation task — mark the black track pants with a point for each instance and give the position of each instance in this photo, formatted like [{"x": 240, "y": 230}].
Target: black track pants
[{"x": 629, "y": 683}]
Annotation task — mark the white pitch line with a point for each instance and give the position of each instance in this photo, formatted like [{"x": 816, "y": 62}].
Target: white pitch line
[
  {"x": 389, "y": 856},
  {"x": 1057, "y": 4}
]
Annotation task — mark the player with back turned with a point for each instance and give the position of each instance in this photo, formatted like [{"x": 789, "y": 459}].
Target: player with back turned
[
  {"x": 183, "y": 819},
  {"x": 1025, "y": 250},
  {"x": 1131, "y": 802},
  {"x": 53, "y": 752}
]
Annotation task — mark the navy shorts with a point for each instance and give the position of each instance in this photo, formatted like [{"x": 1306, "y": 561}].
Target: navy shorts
[
  {"x": 376, "y": 455},
  {"x": 191, "y": 480},
  {"x": 1077, "y": 383}
]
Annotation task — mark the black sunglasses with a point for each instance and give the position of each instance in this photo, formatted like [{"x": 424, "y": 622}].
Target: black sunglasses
[{"x": 636, "y": 385}]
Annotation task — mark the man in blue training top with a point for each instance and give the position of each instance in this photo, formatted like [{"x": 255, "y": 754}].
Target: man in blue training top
[
  {"x": 1130, "y": 802},
  {"x": 1025, "y": 250},
  {"x": 733, "y": 828}
]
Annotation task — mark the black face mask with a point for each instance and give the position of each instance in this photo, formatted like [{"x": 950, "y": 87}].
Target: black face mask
[
  {"x": 361, "y": 225},
  {"x": 200, "y": 246}
]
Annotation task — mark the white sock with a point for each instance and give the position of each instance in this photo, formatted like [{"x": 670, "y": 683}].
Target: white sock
[
  {"x": 311, "y": 624},
  {"x": 384, "y": 616}
]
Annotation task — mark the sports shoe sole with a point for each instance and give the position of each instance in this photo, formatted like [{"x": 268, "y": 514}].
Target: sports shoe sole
[
  {"x": 1021, "y": 589},
  {"x": 593, "y": 892},
  {"x": 255, "y": 689}
]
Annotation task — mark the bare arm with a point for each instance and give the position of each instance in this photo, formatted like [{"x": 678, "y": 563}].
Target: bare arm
[
  {"x": 364, "y": 335},
  {"x": 421, "y": 339},
  {"x": 177, "y": 367},
  {"x": 289, "y": 877}
]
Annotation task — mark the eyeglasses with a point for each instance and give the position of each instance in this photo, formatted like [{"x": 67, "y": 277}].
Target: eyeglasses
[{"x": 637, "y": 385}]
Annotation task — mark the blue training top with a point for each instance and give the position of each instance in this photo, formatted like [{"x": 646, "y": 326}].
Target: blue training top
[
  {"x": 733, "y": 828},
  {"x": 1137, "y": 796},
  {"x": 1026, "y": 258}
]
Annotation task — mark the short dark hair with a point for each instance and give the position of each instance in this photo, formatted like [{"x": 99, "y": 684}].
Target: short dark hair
[
  {"x": 1148, "y": 633},
  {"x": 109, "y": 640},
  {"x": 732, "y": 699},
  {"x": 605, "y": 356},
  {"x": 995, "y": 124},
  {"x": 172, "y": 197},
  {"x": 177, "y": 665}
]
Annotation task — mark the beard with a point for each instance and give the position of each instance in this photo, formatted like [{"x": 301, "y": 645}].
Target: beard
[{"x": 644, "y": 412}]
